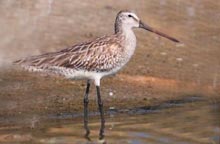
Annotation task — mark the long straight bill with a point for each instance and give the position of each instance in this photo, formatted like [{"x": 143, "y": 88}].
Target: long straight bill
[{"x": 146, "y": 27}]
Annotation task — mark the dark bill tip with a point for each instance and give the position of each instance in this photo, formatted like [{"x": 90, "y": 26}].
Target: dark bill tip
[{"x": 146, "y": 27}]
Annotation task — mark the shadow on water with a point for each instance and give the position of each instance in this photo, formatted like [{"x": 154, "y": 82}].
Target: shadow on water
[{"x": 190, "y": 120}]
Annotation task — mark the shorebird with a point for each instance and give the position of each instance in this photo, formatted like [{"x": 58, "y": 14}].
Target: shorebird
[{"x": 94, "y": 59}]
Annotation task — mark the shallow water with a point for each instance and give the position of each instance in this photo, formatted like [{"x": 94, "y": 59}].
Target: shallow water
[{"x": 190, "y": 121}]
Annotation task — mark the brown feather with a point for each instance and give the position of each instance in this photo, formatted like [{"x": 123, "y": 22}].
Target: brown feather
[{"x": 90, "y": 56}]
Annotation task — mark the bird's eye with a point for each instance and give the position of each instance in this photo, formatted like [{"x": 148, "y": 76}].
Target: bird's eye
[{"x": 129, "y": 15}]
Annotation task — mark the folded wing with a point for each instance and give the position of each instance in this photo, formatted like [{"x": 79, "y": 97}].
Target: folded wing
[{"x": 90, "y": 56}]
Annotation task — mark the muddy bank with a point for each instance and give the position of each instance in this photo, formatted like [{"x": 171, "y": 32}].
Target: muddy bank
[{"x": 24, "y": 92}]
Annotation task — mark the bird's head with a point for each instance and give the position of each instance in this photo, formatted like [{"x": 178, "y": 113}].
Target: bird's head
[{"x": 127, "y": 19}]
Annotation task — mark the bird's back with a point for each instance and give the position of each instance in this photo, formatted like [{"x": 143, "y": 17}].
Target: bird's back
[{"x": 100, "y": 55}]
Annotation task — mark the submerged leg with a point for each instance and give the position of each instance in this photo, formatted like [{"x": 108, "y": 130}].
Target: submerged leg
[
  {"x": 101, "y": 133},
  {"x": 86, "y": 101}
]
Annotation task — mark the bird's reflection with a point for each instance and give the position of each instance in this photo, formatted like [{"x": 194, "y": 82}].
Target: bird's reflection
[{"x": 101, "y": 131}]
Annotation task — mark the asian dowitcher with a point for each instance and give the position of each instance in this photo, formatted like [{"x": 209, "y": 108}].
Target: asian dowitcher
[{"x": 94, "y": 59}]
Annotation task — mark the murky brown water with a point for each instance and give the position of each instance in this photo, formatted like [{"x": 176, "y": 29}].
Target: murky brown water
[{"x": 190, "y": 121}]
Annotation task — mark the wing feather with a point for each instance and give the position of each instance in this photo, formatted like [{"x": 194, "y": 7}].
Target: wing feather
[{"x": 90, "y": 56}]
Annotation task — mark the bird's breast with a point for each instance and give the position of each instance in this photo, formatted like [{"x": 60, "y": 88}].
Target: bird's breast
[{"x": 129, "y": 46}]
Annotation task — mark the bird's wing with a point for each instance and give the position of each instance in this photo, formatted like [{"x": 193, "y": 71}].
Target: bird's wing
[{"x": 98, "y": 55}]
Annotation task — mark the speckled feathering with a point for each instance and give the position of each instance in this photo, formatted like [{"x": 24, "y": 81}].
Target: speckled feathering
[
  {"x": 102, "y": 54},
  {"x": 105, "y": 55}
]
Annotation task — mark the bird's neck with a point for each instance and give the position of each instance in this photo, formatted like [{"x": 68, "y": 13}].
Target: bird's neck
[{"x": 128, "y": 39}]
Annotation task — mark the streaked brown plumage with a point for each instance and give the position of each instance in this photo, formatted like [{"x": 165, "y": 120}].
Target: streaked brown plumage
[{"x": 102, "y": 54}]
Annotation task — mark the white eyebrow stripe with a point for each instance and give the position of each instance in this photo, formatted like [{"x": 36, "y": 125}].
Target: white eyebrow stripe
[{"x": 134, "y": 15}]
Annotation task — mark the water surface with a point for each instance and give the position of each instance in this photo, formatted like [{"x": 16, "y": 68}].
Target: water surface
[{"x": 180, "y": 122}]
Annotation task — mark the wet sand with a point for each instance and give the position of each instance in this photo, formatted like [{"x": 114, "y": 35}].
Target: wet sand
[{"x": 24, "y": 92}]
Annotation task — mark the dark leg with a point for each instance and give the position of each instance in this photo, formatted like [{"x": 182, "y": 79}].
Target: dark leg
[
  {"x": 86, "y": 101},
  {"x": 101, "y": 133}
]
